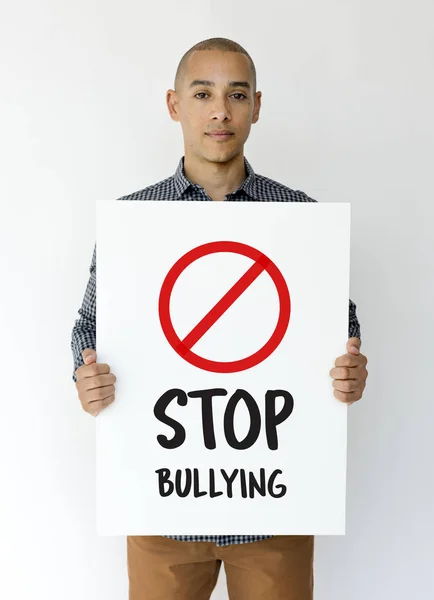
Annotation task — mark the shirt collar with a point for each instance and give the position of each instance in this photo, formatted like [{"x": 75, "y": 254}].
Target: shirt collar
[{"x": 182, "y": 183}]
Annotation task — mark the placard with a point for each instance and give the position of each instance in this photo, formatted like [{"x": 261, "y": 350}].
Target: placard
[{"x": 221, "y": 322}]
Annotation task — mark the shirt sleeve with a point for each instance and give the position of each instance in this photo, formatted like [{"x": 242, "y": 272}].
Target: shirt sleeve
[
  {"x": 84, "y": 331},
  {"x": 353, "y": 322}
]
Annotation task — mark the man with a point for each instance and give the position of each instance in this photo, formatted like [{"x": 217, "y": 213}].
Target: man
[{"x": 216, "y": 102}]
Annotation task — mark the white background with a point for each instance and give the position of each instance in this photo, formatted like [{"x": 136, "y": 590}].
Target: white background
[{"x": 347, "y": 116}]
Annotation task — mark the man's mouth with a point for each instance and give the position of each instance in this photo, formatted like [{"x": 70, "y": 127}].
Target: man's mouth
[{"x": 220, "y": 135}]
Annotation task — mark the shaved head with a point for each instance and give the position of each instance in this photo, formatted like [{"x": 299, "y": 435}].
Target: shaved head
[{"x": 222, "y": 44}]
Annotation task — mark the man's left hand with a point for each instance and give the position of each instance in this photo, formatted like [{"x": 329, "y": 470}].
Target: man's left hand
[{"x": 350, "y": 373}]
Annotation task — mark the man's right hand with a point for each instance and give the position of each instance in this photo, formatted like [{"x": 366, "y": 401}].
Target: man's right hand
[{"x": 95, "y": 383}]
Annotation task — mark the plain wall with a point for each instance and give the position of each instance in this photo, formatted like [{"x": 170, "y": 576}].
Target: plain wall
[{"x": 346, "y": 116}]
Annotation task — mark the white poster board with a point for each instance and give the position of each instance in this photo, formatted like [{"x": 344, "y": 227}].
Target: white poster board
[{"x": 260, "y": 321}]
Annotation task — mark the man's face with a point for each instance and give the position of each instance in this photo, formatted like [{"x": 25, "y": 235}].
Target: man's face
[{"x": 221, "y": 102}]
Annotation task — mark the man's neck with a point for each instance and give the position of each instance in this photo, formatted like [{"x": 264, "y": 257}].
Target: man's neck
[{"x": 217, "y": 179}]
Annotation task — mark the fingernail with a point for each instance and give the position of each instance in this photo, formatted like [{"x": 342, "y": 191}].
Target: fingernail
[{"x": 354, "y": 349}]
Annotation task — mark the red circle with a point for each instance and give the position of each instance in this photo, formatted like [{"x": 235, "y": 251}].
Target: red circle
[{"x": 236, "y": 365}]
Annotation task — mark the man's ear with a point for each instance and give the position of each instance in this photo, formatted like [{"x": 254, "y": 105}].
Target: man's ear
[
  {"x": 257, "y": 108},
  {"x": 172, "y": 104}
]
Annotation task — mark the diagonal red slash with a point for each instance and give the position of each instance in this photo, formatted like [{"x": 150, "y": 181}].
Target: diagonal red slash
[{"x": 222, "y": 305}]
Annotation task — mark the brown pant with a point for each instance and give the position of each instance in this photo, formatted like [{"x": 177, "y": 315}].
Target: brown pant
[{"x": 277, "y": 568}]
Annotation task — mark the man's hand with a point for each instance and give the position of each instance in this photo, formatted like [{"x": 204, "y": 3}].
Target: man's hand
[
  {"x": 95, "y": 383},
  {"x": 350, "y": 373}
]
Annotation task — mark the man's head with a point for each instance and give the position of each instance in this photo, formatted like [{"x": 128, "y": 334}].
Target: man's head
[{"x": 215, "y": 89}]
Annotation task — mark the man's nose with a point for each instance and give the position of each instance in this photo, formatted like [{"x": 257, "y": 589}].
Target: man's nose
[
  {"x": 221, "y": 116},
  {"x": 220, "y": 110}
]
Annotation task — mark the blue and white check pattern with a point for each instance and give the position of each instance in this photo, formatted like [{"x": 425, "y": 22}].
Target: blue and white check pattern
[{"x": 177, "y": 187}]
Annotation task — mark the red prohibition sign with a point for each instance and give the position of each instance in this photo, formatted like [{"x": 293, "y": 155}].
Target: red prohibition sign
[{"x": 183, "y": 347}]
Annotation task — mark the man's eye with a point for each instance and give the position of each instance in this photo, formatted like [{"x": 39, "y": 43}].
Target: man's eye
[{"x": 205, "y": 94}]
